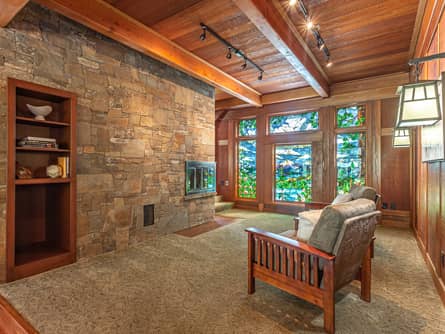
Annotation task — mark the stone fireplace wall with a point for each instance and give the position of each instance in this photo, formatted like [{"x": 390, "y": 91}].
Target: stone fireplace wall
[{"x": 138, "y": 121}]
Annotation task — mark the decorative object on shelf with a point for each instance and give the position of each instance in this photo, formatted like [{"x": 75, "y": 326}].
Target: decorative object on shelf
[
  {"x": 401, "y": 138},
  {"x": 54, "y": 171},
  {"x": 314, "y": 28},
  {"x": 38, "y": 142},
  {"x": 64, "y": 163},
  {"x": 22, "y": 172},
  {"x": 231, "y": 49},
  {"x": 40, "y": 112}
]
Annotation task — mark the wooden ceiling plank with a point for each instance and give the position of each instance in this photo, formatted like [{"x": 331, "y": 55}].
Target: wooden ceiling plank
[
  {"x": 284, "y": 36},
  {"x": 109, "y": 21},
  {"x": 9, "y": 9}
]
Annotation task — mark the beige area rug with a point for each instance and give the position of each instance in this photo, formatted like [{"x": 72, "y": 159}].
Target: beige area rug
[{"x": 177, "y": 284}]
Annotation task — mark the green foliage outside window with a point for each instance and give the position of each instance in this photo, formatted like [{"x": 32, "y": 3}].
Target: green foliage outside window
[
  {"x": 247, "y": 127},
  {"x": 351, "y": 160},
  {"x": 351, "y": 116},
  {"x": 247, "y": 169},
  {"x": 293, "y": 123},
  {"x": 293, "y": 173}
]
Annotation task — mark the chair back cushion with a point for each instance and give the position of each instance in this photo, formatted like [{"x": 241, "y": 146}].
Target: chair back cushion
[
  {"x": 326, "y": 231},
  {"x": 351, "y": 246},
  {"x": 363, "y": 192}
]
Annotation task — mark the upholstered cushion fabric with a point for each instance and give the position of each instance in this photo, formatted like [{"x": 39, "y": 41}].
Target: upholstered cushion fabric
[
  {"x": 311, "y": 216},
  {"x": 363, "y": 192},
  {"x": 342, "y": 198},
  {"x": 326, "y": 231},
  {"x": 303, "y": 234}
]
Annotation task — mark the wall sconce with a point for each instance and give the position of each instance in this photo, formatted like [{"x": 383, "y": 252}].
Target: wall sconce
[
  {"x": 401, "y": 138},
  {"x": 419, "y": 104}
]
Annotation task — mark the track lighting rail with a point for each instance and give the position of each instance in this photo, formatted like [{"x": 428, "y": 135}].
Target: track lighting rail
[{"x": 231, "y": 49}]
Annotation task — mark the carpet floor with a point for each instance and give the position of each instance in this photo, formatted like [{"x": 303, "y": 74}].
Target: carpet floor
[{"x": 177, "y": 284}]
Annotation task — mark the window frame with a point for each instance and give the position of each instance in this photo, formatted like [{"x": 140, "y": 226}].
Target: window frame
[{"x": 274, "y": 164}]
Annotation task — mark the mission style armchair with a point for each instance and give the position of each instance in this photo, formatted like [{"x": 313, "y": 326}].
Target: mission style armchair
[{"x": 337, "y": 251}]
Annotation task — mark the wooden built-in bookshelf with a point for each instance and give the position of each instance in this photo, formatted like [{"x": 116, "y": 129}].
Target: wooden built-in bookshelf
[{"x": 41, "y": 211}]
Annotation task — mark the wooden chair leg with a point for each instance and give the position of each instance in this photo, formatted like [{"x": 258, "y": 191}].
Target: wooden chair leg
[
  {"x": 250, "y": 255},
  {"x": 372, "y": 248},
  {"x": 329, "y": 299},
  {"x": 365, "y": 275}
]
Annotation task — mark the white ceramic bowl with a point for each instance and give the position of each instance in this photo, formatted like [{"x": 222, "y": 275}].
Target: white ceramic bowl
[{"x": 40, "y": 112}]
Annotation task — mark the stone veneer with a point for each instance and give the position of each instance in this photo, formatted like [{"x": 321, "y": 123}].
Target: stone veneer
[{"x": 138, "y": 120}]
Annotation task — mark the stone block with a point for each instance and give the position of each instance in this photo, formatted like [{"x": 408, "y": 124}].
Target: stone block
[{"x": 94, "y": 183}]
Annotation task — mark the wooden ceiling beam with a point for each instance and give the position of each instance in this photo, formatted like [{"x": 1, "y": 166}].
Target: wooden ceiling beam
[
  {"x": 271, "y": 98},
  {"x": 268, "y": 17},
  {"x": 355, "y": 91},
  {"x": 9, "y": 9},
  {"x": 102, "y": 17}
]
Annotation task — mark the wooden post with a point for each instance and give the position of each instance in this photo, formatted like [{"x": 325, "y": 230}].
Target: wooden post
[
  {"x": 250, "y": 260},
  {"x": 329, "y": 297},
  {"x": 365, "y": 276}
]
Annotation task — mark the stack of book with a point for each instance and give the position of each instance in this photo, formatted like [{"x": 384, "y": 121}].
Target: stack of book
[{"x": 38, "y": 142}]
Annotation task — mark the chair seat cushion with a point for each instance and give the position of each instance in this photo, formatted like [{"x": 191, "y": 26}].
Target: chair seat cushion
[
  {"x": 326, "y": 231},
  {"x": 310, "y": 217}
]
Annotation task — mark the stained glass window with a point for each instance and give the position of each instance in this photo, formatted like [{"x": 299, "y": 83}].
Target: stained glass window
[
  {"x": 293, "y": 173},
  {"x": 247, "y": 128},
  {"x": 351, "y": 160},
  {"x": 351, "y": 116},
  {"x": 247, "y": 169},
  {"x": 294, "y": 123}
]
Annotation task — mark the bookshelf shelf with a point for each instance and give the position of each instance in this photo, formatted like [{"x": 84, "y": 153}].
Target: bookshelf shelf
[
  {"x": 42, "y": 181},
  {"x": 41, "y": 211},
  {"x": 32, "y": 121},
  {"x": 41, "y": 149}
]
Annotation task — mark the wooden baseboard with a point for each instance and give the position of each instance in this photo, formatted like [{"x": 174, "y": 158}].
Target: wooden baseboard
[
  {"x": 440, "y": 286},
  {"x": 11, "y": 321},
  {"x": 396, "y": 218}
]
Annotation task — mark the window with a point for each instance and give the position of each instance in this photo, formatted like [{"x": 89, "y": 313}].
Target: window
[
  {"x": 247, "y": 159},
  {"x": 247, "y": 128},
  {"x": 293, "y": 173},
  {"x": 293, "y": 123},
  {"x": 351, "y": 160},
  {"x": 351, "y": 116},
  {"x": 247, "y": 169}
]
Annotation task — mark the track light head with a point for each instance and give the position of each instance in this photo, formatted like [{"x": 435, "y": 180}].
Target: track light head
[
  {"x": 203, "y": 35},
  {"x": 292, "y": 2},
  {"x": 329, "y": 63},
  {"x": 260, "y": 76},
  {"x": 310, "y": 25},
  {"x": 244, "y": 65},
  {"x": 229, "y": 54}
]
